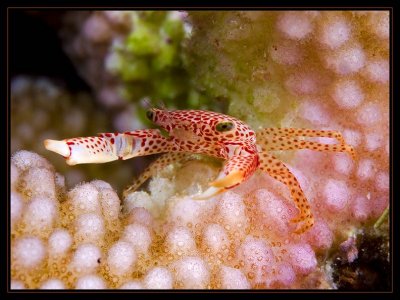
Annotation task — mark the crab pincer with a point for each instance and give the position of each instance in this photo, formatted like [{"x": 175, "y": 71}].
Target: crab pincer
[{"x": 221, "y": 136}]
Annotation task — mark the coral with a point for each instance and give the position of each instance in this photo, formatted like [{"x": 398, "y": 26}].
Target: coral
[
  {"x": 87, "y": 238},
  {"x": 319, "y": 69},
  {"x": 368, "y": 268},
  {"x": 268, "y": 63},
  {"x": 310, "y": 69},
  {"x": 133, "y": 55},
  {"x": 42, "y": 108}
]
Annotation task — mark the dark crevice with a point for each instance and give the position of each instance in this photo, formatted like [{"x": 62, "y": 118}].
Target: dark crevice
[{"x": 36, "y": 50}]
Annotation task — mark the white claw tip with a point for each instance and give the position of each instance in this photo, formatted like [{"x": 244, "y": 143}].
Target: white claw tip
[
  {"x": 210, "y": 192},
  {"x": 59, "y": 147}
]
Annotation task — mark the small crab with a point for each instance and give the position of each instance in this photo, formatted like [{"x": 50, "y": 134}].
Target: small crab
[{"x": 210, "y": 133}]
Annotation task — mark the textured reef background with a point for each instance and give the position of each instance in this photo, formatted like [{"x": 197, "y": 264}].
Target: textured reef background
[{"x": 313, "y": 69}]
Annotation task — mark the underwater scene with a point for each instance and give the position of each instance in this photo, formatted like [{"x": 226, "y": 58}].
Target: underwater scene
[{"x": 200, "y": 150}]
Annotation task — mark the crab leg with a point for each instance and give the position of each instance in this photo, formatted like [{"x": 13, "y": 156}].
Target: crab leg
[
  {"x": 155, "y": 167},
  {"x": 291, "y": 132},
  {"x": 236, "y": 169},
  {"x": 270, "y": 141},
  {"x": 110, "y": 146},
  {"x": 280, "y": 172}
]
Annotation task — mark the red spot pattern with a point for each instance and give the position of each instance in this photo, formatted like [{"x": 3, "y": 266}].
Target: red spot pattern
[{"x": 194, "y": 131}]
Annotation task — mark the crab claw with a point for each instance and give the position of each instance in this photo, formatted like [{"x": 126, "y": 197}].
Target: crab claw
[
  {"x": 233, "y": 173},
  {"x": 59, "y": 147},
  {"x": 83, "y": 150},
  {"x": 221, "y": 184},
  {"x": 208, "y": 193},
  {"x": 229, "y": 180}
]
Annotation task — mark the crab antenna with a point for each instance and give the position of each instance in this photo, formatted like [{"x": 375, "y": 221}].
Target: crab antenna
[
  {"x": 162, "y": 105},
  {"x": 146, "y": 103}
]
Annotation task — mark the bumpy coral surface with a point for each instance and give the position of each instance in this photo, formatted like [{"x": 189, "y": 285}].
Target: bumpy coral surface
[
  {"x": 321, "y": 70},
  {"x": 42, "y": 108},
  {"x": 269, "y": 63},
  {"x": 312, "y": 69},
  {"x": 84, "y": 238},
  {"x": 133, "y": 56}
]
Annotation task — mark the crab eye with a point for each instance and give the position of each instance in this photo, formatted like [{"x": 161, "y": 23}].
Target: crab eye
[
  {"x": 224, "y": 126},
  {"x": 149, "y": 115}
]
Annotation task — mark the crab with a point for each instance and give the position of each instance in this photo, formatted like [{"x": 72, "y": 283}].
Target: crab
[{"x": 184, "y": 132}]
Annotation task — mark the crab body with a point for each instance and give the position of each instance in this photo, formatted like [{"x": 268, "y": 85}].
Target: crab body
[{"x": 204, "y": 132}]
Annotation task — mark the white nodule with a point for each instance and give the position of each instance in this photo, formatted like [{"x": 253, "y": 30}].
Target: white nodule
[{"x": 59, "y": 147}]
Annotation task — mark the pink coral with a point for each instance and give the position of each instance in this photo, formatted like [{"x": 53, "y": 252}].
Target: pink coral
[{"x": 160, "y": 238}]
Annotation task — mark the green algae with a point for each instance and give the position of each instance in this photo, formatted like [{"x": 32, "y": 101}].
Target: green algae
[{"x": 149, "y": 62}]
